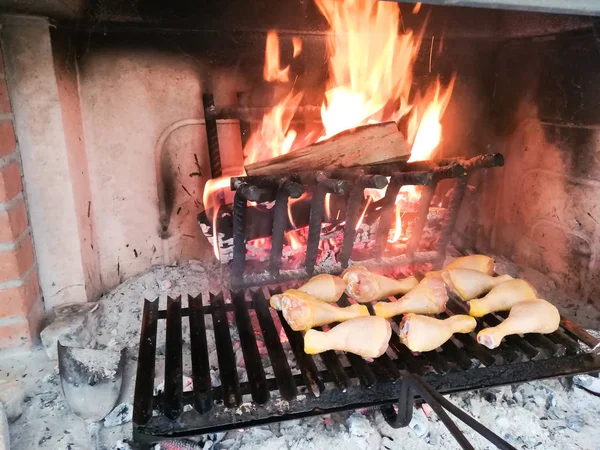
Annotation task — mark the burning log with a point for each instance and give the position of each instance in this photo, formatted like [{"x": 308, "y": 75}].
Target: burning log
[{"x": 369, "y": 144}]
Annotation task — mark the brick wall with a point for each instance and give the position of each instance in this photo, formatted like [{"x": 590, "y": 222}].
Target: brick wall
[{"x": 21, "y": 308}]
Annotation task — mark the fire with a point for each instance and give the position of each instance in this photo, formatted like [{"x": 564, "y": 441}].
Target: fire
[
  {"x": 295, "y": 239},
  {"x": 214, "y": 192},
  {"x": 273, "y": 70},
  {"x": 369, "y": 81},
  {"x": 297, "y": 43},
  {"x": 429, "y": 132},
  {"x": 216, "y": 233},
  {"x": 274, "y": 137},
  {"x": 370, "y": 64}
]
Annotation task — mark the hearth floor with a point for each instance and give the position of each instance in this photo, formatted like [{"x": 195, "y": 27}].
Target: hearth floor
[{"x": 540, "y": 415}]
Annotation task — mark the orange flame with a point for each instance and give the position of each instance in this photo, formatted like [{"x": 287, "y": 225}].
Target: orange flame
[
  {"x": 216, "y": 233},
  {"x": 397, "y": 226},
  {"x": 210, "y": 197},
  {"x": 370, "y": 78},
  {"x": 416, "y": 8},
  {"x": 295, "y": 239},
  {"x": 370, "y": 64},
  {"x": 429, "y": 132},
  {"x": 273, "y": 70},
  {"x": 274, "y": 137},
  {"x": 297, "y": 43}
]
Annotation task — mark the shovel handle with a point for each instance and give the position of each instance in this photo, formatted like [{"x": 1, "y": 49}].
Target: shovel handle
[{"x": 94, "y": 434}]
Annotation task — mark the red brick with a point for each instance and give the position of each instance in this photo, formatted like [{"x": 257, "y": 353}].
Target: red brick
[
  {"x": 4, "y": 100},
  {"x": 14, "y": 263},
  {"x": 10, "y": 181},
  {"x": 22, "y": 332},
  {"x": 7, "y": 137},
  {"x": 13, "y": 221},
  {"x": 18, "y": 301}
]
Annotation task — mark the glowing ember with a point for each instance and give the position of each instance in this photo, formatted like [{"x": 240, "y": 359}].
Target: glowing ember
[{"x": 273, "y": 70}]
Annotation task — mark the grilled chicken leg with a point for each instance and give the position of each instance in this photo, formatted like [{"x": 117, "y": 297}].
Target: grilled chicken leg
[
  {"x": 302, "y": 311},
  {"x": 529, "y": 316},
  {"x": 365, "y": 336},
  {"x": 429, "y": 297},
  {"x": 481, "y": 263},
  {"x": 502, "y": 298},
  {"x": 423, "y": 333},
  {"x": 469, "y": 283}
]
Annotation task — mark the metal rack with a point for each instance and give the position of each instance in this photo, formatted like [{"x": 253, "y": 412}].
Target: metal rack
[{"x": 461, "y": 364}]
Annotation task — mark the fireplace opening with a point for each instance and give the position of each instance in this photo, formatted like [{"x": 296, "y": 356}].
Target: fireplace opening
[{"x": 165, "y": 171}]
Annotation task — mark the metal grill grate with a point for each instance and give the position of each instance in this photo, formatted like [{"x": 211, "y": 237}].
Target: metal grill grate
[{"x": 324, "y": 383}]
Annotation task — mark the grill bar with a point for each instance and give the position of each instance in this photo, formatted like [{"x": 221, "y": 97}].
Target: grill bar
[
  {"x": 307, "y": 364},
  {"x": 279, "y": 361},
  {"x": 144, "y": 385},
  {"x": 173, "y": 360},
  {"x": 252, "y": 360},
  {"x": 200, "y": 361},
  {"x": 229, "y": 379}
]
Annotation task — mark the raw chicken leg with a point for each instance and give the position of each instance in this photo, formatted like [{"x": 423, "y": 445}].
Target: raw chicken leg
[
  {"x": 365, "y": 336},
  {"x": 325, "y": 287},
  {"x": 302, "y": 311},
  {"x": 364, "y": 286},
  {"x": 502, "y": 297},
  {"x": 429, "y": 297},
  {"x": 529, "y": 316},
  {"x": 423, "y": 333},
  {"x": 469, "y": 283},
  {"x": 482, "y": 263}
]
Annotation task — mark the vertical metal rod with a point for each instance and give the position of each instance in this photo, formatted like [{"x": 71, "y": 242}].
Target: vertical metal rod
[
  {"x": 386, "y": 217},
  {"x": 245, "y": 128},
  {"x": 173, "y": 360},
  {"x": 355, "y": 202},
  {"x": 212, "y": 136},
  {"x": 200, "y": 361},
  {"x": 417, "y": 230},
  {"x": 450, "y": 222},
  {"x": 144, "y": 384},
  {"x": 317, "y": 208},
  {"x": 279, "y": 224},
  {"x": 239, "y": 238}
]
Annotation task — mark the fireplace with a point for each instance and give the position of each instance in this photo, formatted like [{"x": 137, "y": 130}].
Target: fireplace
[{"x": 127, "y": 135}]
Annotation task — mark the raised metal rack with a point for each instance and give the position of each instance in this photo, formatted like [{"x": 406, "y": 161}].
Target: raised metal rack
[{"x": 460, "y": 364}]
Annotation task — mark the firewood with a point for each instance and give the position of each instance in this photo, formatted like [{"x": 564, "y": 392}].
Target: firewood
[{"x": 369, "y": 144}]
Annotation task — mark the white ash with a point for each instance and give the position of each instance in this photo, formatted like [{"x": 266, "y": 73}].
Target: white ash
[
  {"x": 541, "y": 415},
  {"x": 105, "y": 362}
]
